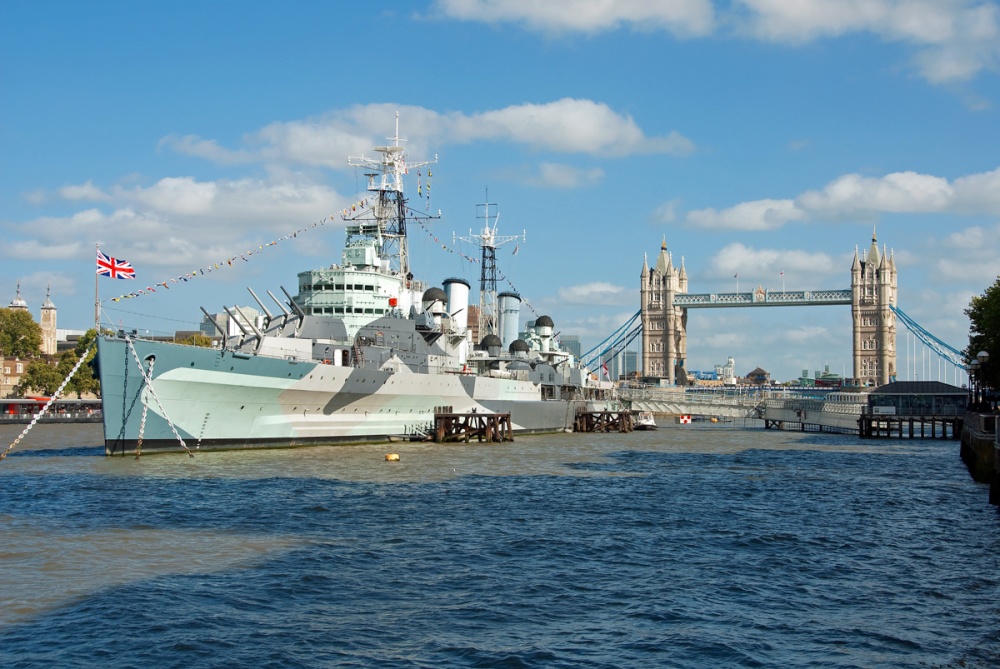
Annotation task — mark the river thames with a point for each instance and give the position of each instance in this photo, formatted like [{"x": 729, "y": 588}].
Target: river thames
[{"x": 691, "y": 546}]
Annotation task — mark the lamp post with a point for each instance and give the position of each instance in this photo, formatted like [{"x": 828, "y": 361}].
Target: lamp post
[
  {"x": 975, "y": 384},
  {"x": 969, "y": 370},
  {"x": 982, "y": 357}
]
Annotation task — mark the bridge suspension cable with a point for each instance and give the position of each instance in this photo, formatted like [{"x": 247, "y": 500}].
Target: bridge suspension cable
[
  {"x": 614, "y": 344},
  {"x": 946, "y": 352}
]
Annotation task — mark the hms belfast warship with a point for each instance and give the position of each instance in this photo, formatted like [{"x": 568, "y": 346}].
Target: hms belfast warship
[{"x": 362, "y": 353}]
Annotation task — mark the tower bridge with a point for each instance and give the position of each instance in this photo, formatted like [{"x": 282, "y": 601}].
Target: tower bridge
[
  {"x": 665, "y": 302},
  {"x": 763, "y": 298}
]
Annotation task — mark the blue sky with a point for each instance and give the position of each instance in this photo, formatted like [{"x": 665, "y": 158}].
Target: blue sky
[{"x": 755, "y": 136}]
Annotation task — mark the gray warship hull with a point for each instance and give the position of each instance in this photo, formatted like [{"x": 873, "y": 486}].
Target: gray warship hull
[{"x": 223, "y": 400}]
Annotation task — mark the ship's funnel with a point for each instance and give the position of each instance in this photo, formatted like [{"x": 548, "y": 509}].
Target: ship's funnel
[
  {"x": 510, "y": 316},
  {"x": 457, "y": 291}
]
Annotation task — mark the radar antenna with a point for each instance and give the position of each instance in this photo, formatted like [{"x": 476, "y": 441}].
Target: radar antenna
[
  {"x": 385, "y": 219},
  {"x": 488, "y": 240}
]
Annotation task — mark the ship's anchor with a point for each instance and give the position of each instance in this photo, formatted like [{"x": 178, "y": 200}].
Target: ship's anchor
[{"x": 148, "y": 378}]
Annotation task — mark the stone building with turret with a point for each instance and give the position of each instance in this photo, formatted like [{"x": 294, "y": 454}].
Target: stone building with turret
[
  {"x": 47, "y": 318},
  {"x": 873, "y": 297},
  {"x": 664, "y": 326},
  {"x": 13, "y": 368}
]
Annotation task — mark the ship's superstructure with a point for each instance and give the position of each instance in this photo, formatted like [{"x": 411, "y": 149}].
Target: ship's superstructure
[{"x": 373, "y": 277}]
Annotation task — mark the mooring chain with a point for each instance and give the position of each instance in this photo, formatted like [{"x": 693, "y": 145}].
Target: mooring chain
[
  {"x": 52, "y": 399},
  {"x": 149, "y": 385},
  {"x": 145, "y": 410},
  {"x": 126, "y": 411}
]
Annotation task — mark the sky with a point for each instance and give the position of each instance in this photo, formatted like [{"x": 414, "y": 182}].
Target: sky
[{"x": 757, "y": 138}]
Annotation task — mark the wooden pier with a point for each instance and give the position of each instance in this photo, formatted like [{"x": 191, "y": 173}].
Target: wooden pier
[
  {"x": 604, "y": 421},
  {"x": 481, "y": 427},
  {"x": 871, "y": 426}
]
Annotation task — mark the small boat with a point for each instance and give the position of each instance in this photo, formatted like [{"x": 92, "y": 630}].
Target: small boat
[{"x": 644, "y": 421}]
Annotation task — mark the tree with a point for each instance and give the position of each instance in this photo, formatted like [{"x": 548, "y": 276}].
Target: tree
[
  {"x": 984, "y": 332},
  {"x": 197, "y": 339},
  {"x": 40, "y": 377},
  {"x": 20, "y": 335},
  {"x": 84, "y": 381}
]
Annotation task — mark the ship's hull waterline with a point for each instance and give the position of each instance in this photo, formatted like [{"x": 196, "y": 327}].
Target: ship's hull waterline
[{"x": 219, "y": 400}]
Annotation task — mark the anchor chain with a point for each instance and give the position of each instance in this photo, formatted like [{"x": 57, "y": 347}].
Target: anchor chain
[
  {"x": 149, "y": 385},
  {"x": 52, "y": 399},
  {"x": 145, "y": 410}
]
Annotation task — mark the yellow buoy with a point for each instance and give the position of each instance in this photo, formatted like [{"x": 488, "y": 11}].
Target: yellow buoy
[{"x": 392, "y": 457}]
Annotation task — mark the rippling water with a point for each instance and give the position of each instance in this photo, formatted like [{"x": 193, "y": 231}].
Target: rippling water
[{"x": 692, "y": 546}]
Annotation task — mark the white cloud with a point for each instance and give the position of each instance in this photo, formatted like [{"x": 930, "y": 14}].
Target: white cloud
[
  {"x": 39, "y": 250},
  {"x": 595, "y": 293},
  {"x": 897, "y": 192},
  {"x": 36, "y": 196},
  {"x": 589, "y": 327},
  {"x": 756, "y": 215},
  {"x": 554, "y": 175},
  {"x": 86, "y": 191},
  {"x": 852, "y": 196},
  {"x": 573, "y": 126},
  {"x": 978, "y": 193},
  {"x": 665, "y": 213},
  {"x": 975, "y": 239},
  {"x": 951, "y": 40},
  {"x": 564, "y": 126},
  {"x": 182, "y": 220},
  {"x": 208, "y": 149},
  {"x": 766, "y": 265},
  {"x": 174, "y": 195},
  {"x": 680, "y": 17},
  {"x": 980, "y": 272},
  {"x": 723, "y": 340},
  {"x": 807, "y": 334},
  {"x": 250, "y": 201}
]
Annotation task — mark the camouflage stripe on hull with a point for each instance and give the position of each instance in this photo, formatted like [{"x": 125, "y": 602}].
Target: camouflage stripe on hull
[{"x": 226, "y": 400}]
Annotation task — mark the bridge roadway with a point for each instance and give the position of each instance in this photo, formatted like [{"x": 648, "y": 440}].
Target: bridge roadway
[
  {"x": 763, "y": 298},
  {"x": 837, "y": 412}
]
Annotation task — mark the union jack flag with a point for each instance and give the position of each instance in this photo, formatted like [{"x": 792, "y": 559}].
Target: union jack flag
[{"x": 116, "y": 268}]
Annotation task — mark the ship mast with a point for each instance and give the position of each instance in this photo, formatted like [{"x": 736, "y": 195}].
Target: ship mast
[
  {"x": 488, "y": 241},
  {"x": 385, "y": 218}
]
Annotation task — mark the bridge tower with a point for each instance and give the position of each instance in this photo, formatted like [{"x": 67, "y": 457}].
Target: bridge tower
[
  {"x": 873, "y": 294},
  {"x": 664, "y": 326}
]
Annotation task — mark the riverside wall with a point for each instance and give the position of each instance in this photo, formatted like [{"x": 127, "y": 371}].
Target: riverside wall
[{"x": 979, "y": 451}]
